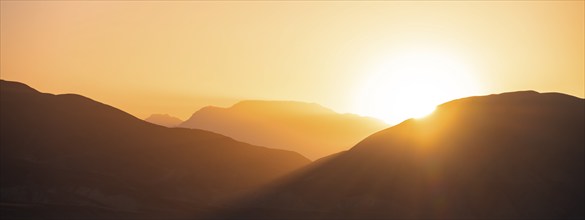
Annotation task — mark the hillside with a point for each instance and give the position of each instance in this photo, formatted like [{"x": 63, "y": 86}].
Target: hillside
[
  {"x": 515, "y": 155},
  {"x": 67, "y": 156}
]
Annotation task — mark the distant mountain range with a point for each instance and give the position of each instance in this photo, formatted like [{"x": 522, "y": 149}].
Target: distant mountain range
[
  {"x": 164, "y": 120},
  {"x": 67, "y": 156},
  {"x": 515, "y": 155},
  {"x": 307, "y": 128}
]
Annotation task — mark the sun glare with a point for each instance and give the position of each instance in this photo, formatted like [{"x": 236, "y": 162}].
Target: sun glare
[{"x": 412, "y": 84}]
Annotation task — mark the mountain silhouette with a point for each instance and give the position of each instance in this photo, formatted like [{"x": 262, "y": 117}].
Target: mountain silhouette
[
  {"x": 310, "y": 129},
  {"x": 164, "y": 120},
  {"x": 516, "y": 155},
  {"x": 67, "y": 156}
]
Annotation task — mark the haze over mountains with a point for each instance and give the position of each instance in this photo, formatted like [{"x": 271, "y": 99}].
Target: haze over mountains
[
  {"x": 516, "y": 155},
  {"x": 67, "y": 156},
  {"x": 307, "y": 128},
  {"x": 164, "y": 120}
]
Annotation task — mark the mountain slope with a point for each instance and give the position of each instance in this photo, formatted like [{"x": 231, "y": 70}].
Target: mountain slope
[
  {"x": 71, "y": 153},
  {"x": 510, "y": 156},
  {"x": 309, "y": 129},
  {"x": 164, "y": 120}
]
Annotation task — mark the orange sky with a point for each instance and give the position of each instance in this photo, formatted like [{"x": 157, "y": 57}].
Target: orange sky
[{"x": 175, "y": 57}]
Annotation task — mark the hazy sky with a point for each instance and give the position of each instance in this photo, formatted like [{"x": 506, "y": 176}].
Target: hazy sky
[{"x": 176, "y": 57}]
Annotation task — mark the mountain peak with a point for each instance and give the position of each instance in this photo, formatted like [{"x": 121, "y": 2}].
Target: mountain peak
[
  {"x": 528, "y": 96},
  {"x": 164, "y": 120},
  {"x": 13, "y": 86}
]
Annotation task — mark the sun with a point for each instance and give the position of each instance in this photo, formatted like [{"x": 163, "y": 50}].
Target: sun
[{"x": 412, "y": 84}]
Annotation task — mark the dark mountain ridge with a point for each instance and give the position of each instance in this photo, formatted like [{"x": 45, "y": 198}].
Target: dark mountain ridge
[
  {"x": 516, "y": 155},
  {"x": 73, "y": 153}
]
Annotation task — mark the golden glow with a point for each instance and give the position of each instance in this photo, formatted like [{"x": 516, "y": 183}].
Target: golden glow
[
  {"x": 175, "y": 57},
  {"x": 412, "y": 83}
]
